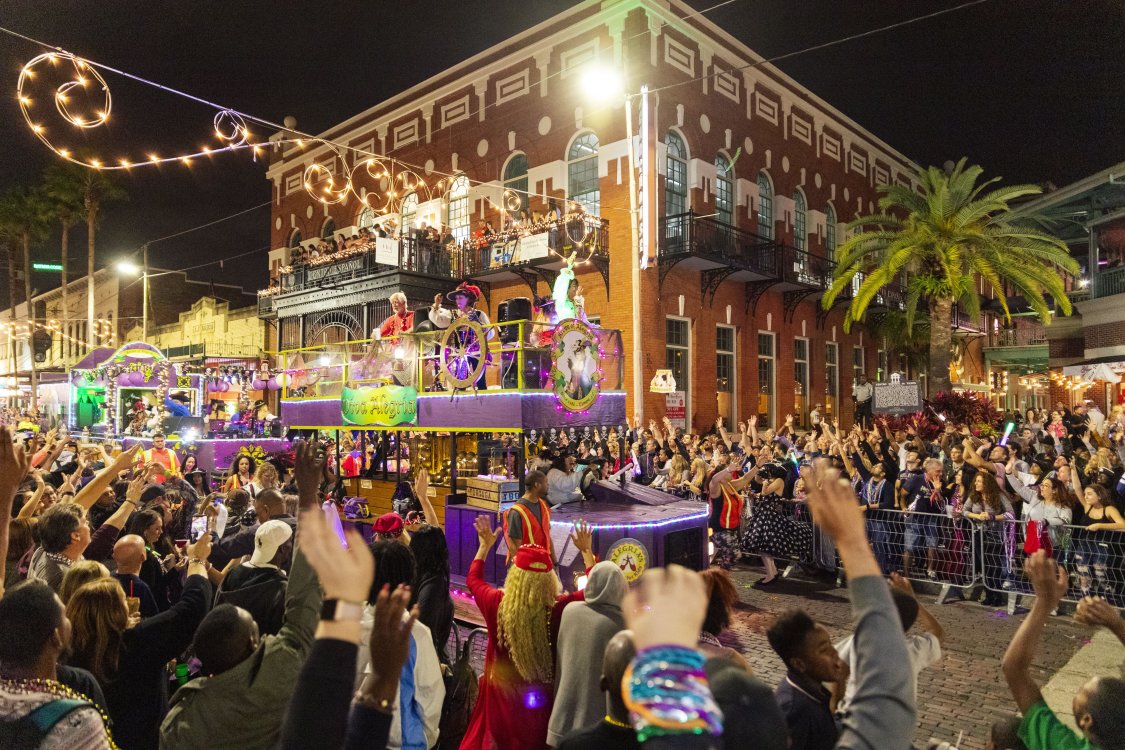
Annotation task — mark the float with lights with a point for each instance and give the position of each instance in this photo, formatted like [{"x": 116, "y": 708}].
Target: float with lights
[
  {"x": 130, "y": 392},
  {"x": 469, "y": 402}
]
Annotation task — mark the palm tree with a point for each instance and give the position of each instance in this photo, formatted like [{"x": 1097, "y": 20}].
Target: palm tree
[
  {"x": 98, "y": 189},
  {"x": 25, "y": 215},
  {"x": 63, "y": 187},
  {"x": 941, "y": 239}
]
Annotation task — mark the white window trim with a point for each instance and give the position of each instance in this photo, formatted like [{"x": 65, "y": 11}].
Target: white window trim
[
  {"x": 809, "y": 404},
  {"x": 773, "y": 385},
  {"x": 734, "y": 370},
  {"x": 690, "y": 365}
]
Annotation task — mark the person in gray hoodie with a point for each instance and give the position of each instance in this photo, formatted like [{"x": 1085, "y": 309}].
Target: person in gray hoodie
[{"x": 586, "y": 628}]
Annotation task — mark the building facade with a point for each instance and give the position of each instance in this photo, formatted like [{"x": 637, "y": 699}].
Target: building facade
[{"x": 745, "y": 184}]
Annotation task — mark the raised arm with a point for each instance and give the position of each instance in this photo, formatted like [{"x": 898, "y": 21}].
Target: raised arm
[
  {"x": 422, "y": 490},
  {"x": 89, "y": 494},
  {"x": 722, "y": 430},
  {"x": 1076, "y": 484},
  {"x": 1049, "y": 580}
]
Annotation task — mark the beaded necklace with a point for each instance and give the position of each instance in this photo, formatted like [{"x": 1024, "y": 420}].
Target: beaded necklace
[{"x": 59, "y": 690}]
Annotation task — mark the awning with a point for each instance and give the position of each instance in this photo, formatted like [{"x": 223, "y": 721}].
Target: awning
[{"x": 1110, "y": 369}]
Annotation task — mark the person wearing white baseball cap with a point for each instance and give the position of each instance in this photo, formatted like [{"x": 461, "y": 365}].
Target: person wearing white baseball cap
[{"x": 259, "y": 585}]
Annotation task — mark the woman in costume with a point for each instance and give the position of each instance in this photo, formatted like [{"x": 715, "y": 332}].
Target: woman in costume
[{"x": 464, "y": 298}]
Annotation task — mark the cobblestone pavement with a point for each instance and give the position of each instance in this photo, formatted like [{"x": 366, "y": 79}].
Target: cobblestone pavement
[{"x": 964, "y": 693}]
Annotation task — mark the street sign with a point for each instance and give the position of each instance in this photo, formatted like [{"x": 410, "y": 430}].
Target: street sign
[{"x": 46, "y": 267}]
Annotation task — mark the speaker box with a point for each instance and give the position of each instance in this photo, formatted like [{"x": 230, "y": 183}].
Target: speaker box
[{"x": 516, "y": 308}]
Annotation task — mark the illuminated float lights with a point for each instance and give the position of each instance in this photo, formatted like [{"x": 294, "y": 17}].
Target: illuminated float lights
[{"x": 639, "y": 524}]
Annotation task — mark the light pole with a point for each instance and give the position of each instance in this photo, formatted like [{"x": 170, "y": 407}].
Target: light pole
[
  {"x": 601, "y": 86},
  {"x": 128, "y": 268}
]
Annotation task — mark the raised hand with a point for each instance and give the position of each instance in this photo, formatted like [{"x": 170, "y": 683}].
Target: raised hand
[
  {"x": 582, "y": 537},
  {"x": 344, "y": 572},
  {"x": 1096, "y": 611},
  {"x": 834, "y": 506},
  {"x": 486, "y": 537},
  {"x": 308, "y": 468},
  {"x": 14, "y": 465},
  {"x": 666, "y": 608},
  {"x": 1048, "y": 579}
]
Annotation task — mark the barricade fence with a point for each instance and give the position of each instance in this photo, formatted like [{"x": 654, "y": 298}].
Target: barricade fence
[{"x": 957, "y": 553}]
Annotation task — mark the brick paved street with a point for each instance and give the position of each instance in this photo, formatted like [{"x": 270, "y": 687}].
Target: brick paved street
[{"x": 966, "y": 692}]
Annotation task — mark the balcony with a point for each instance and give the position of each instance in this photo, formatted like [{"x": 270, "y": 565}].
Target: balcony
[
  {"x": 1031, "y": 335},
  {"x": 722, "y": 252},
  {"x": 1109, "y": 282},
  {"x": 499, "y": 257}
]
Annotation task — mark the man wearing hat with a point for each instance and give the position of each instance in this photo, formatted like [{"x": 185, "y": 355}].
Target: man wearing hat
[
  {"x": 464, "y": 298},
  {"x": 259, "y": 585}
]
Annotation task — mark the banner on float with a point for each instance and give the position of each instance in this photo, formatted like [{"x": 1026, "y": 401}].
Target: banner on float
[
  {"x": 383, "y": 406},
  {"x": 386, "y": 251}
]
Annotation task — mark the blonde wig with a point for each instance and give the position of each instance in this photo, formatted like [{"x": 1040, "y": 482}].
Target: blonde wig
[{"x": 523, "y": 621}]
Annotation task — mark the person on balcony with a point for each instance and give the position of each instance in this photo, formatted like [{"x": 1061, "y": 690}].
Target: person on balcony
[{"x": 863, "y": 394}]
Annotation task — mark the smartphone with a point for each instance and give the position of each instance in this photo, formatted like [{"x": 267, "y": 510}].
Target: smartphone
[{"x": 198, "y": 527}]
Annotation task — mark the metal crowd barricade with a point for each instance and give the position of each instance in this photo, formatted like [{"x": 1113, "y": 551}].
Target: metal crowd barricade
[{"x": 1094, "y": 560}]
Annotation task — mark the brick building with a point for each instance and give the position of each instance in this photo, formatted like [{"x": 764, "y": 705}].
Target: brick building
[{"x": 752, "y": 180}]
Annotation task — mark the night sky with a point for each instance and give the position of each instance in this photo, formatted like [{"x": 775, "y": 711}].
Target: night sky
[{"x": 1032, "y": 90}]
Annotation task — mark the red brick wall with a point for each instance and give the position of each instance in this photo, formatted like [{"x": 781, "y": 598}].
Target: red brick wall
[{"x": 1104, "y": 335}]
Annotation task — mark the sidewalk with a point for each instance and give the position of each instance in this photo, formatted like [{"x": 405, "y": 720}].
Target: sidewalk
[{"x": 1101, "y": 655}]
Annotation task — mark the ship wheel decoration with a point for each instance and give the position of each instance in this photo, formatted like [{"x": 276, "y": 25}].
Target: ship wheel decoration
[{"x": 464, "y": 354}]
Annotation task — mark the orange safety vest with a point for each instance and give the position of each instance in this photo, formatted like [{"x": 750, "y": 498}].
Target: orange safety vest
[
  {"x": 534, "y": 532},
  {"x": 731, "y": 514},
  {"x": 173, "y": 465}
]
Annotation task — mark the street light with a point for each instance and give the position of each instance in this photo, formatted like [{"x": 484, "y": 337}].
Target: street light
[
  {"x": 129, "y": 268},
  {"x": 605, "y": 85}
]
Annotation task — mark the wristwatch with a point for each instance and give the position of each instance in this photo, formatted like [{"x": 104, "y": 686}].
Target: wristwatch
[{"x": 341, "y": 610}]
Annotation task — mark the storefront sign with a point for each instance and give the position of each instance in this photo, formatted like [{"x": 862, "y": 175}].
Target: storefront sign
[
  {"x": 631, "y": 556},
  {"x": 336, "y": 269},
  {"x": 533, "y": 246},
  {"x": 383, "y": 406},
  {"x": 675, "y": 408}
]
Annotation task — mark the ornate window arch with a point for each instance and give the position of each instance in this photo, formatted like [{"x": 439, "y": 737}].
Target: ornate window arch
[
  {"x": 295, "y": 238},
  {"x": 334, "y": 327},
  {"x": 457, "y": 208},
  {"x": 366, "y": 218},
  {"x": 675, "y": 179},
  {"x": 328, "y": 229},
  {"x": 408, "y": 211},
  {"x": 830, "y": 231},
  {"x": 800, "y": 220},
  {"x": 765, "y": 205},
  {"x": 515, "y": 182},
  {"x": 583, "y": 185},
  {"x": 724, "y": 189}
]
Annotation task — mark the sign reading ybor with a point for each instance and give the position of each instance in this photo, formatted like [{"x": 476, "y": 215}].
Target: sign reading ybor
[
  {"x": 382, "y": 406},
  {"x": 897, "y": 398}
]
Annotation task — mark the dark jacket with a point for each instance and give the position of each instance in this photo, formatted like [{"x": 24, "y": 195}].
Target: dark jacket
[
  {"x": 138, "y": 695},
  {"x": 242, "y": 543},
  {"x": 805, "y": 705},
  {"x": 435, "y": 611},
  {"x": 260, "y": 591}
]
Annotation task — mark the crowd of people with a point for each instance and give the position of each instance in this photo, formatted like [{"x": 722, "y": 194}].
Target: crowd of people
[{"x": 140, "y": 609}]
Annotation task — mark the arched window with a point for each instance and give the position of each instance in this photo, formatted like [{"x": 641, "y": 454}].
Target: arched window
[
  {"x": 675, "y": 182},
  {"x": 366, "y": 218},
  {"x": 329, "y": 229},
  {"x": 800, "y": 221},
  {"x": 295, "y": 238},
  {"x": 830, "y": 231},
  {"x": 765, "y": 206},
  {"x": 409, "y": 209},
  {"x": 457, "y": 209},
  {"x": 724, "y": 190},
  {"x": 582, "y": 173},
  {"x": 515, "y": 183}
]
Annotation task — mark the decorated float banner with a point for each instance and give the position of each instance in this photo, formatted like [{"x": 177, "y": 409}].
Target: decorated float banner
[
  {"x": 383, "y": 406},
  {"x": 519, "y": 250}
]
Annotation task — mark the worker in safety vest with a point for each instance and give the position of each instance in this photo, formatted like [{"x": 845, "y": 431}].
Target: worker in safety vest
[
  {"x": 529, "y": 520},
  {"x": 166, "y": 457}
]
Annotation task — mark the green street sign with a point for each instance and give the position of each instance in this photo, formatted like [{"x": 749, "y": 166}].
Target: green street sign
[{"x": 46, "y": 266}]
